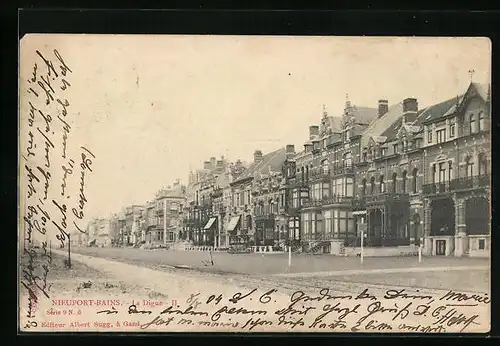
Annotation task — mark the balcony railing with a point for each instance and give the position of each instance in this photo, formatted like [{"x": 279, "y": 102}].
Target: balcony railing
[
  {"x": 458, "y": 184},
  {"x": 318, "y": 236},
  {"x": 470, "y": 182},
  {"x": 327, "y": 200},
  {"x": 386, "y": 196}
]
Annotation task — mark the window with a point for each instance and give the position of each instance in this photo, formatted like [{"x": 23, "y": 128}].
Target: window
[
  {"x": 324, "y": 167},
  {"x": 452, "y": 130},
  {"x": 382, "y": 152},
  {"x": 395, "y": 148},
  {"x": 472, "y": 124},
  {"x": 382, "y": 184},
  {"x": 347, "y": 159},
  {"x": 372, "y": 183},
  {"x": 404, "y": 182},
  {"x": 306, "y": 223},
  {"x": 469, "y": 167},
  {"x": 328, "y": 222},
  {"x": 441, "y": 136},
  {"x": 405, "y": 145},
  {"x": 483, "y": 164},
  {"x": 415, "y": 177},
  {"x": 295, "y": 199},
  {"x": 434, "y": 173},
  {"x": 326, "y": 190},
  {"x": 482, "y": 244},
  {"x": 481, "y": 121},
  {"x": 429, "y": 136},
  {"x": 349, "y": 187},
  {"x": 303, "y": 174},
  {"x": 365, "y": 156},
  {"x": 442, "y": 172},
  {"x": 307, "y": 173},
  {"x": 394, "y": 182},
  {"x": 316, "y": 193},
  {"x": 450, "y": 170},
  {"x": 363, "y": 188}
]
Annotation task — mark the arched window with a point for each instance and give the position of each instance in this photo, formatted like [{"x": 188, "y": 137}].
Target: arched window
[
  {"x": 363, "y": 188},
  {"x": 382, "y": 184},
  {"x": 415, "y": 177},
  {"x": 472, "y": 124},
  {"x": 372, "y": 184},
  {"x": 483, "y": 164},
  {"x": 307, "y": 173},
  {"x": 481, "y": 121},
  {"x": 469, "y": 167},
  {"x": 394, "y": 182},
  {"x": 302, "y": 172},
  {"x": 403, "y": 187},
  {"x": 324, "y": 167}
]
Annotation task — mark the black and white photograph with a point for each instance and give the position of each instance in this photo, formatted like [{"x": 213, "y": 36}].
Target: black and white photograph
[{"x": 248, "y": 184}]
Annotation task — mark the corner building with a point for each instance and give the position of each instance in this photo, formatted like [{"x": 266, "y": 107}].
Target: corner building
[{"x": 423, "y": 177}]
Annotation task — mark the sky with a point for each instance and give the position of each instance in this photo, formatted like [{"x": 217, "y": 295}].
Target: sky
[{"x": 153, "y": 107}]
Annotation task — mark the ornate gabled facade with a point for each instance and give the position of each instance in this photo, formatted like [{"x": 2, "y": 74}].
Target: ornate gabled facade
[
  {"x": 322, "y": 184},
  {"x": 424, "y": 180},
  {"x": 254, "y": 213},
  {"x": 457, "y": 161}
]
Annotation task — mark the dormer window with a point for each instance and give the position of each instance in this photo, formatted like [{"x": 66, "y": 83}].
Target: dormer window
[
  {"x": 382, "y": 152},
  {"x": 365, "y": 154},
  {"x": 395, "y": 148}
]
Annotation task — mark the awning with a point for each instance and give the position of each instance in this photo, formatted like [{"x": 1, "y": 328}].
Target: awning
[
  {"x": 233, "y": 223},
  {"x": 210, "y": 222}
]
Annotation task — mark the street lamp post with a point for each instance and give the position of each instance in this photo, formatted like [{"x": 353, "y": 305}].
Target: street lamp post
[
  {"x": 420, "y": 250},
  {"x": 362, "y": 239}
]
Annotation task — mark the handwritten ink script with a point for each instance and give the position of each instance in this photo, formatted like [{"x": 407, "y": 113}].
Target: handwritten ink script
[
  {"x": 254, "y": 310},
  {"x": 53, "y": 173}
]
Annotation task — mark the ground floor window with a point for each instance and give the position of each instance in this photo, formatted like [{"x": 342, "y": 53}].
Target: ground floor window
[{"x": 482, "y": 244}]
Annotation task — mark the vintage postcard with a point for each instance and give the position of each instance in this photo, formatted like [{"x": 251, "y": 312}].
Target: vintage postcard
[{"x": 254, "y": 184}]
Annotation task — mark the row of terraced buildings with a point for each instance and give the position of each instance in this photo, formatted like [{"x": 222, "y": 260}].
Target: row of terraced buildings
[{"x": 399, "y": 175}]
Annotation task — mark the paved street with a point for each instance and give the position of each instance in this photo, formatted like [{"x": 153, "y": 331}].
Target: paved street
[{"x": 468, "y": 274}]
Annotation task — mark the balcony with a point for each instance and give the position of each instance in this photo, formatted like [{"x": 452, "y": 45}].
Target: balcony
[
  {"x": 343, "y": 170},
  {"x": 459, "y": 184},
  {"x": 320, "y": 176},
  {"x": 436, "y": 188},
  {"x": 468, "y": 183},
  {"x": 267, "y": 216},
  {"x": 386, "y": 197},
  {"x": 327, "y": 201},
  {"x": 358, "y": 204}
]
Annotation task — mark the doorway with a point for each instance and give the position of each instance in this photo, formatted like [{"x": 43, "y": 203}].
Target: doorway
[{"x": 440, "y": 247}]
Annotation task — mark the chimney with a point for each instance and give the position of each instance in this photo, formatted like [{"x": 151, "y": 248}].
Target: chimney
[
  {"x": 313, "y": 131},
  {"x": 207, "y": 165},
  {"x": 383, "y": 107},
  {"x": 220, "y": 163},
  {"x": 257, "y": 156},
  {"x": 290, "y": 151},
  {"x": 212, "y": 162},
  {"x": 410, "y": 105}
]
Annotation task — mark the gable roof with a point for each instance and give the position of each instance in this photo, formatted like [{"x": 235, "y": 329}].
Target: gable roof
[
  {"x": 272, "y": 161},
  {"x": 436, "y": 111},
  {"x": 364, "y": 115},
  {"x": 379, "y": 126}
]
